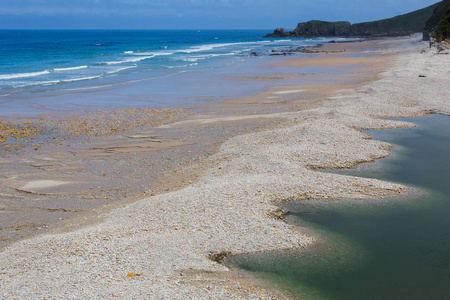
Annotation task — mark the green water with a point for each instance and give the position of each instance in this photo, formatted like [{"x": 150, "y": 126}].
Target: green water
[{"x": 380, "y": 249}]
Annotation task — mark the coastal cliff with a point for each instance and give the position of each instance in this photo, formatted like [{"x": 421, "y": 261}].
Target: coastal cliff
[
  {"x": 438, "y": 26},
  {"x": 397, "y": 26}
]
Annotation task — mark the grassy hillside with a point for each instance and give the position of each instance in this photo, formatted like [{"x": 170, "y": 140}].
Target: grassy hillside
[
  {"x": 397, "y": 26},
  {"x": 324, "y": 23},
  {"x": 408, "y": 23}
]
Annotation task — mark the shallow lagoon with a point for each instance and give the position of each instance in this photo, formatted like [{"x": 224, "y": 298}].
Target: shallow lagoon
[{"x": 379, "y": 249}]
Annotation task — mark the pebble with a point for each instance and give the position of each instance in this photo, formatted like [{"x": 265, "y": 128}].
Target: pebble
[{"x": 227, "y": 211}]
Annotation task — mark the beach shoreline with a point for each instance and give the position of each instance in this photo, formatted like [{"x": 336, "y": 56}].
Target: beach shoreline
[
  {"x": 165, "y": 241},
  {"x": 77, "y": 162}
]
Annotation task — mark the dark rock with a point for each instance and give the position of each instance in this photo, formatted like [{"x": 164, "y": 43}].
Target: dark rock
[
  {"x": 218, "y": 257},
  {"x": 279, "y": 32}
]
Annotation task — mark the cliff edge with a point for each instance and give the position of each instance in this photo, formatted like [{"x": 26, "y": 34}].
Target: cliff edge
[{"x": 438, "y": 26}]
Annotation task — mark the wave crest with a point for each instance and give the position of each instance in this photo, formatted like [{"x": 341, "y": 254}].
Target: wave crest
[
  {"x": 23, "y": 75},
  {"x": 69, "y": 69}
]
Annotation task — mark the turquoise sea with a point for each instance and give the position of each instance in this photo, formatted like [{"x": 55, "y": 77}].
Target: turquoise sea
[
  {"x": 41, "y": 70},
  {"x": 395, "y": 248}
]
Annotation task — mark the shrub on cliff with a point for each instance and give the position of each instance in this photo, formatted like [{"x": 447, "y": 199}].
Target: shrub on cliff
[
  {"x": 438, "y": 25},
  {"x": 442, "y": 31}
]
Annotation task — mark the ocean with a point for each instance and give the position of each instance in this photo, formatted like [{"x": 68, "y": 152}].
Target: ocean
[{"x": 44, "y": 71}]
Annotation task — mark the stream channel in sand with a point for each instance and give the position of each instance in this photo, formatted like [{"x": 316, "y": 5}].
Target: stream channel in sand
[{"x": 394, "y": 248}]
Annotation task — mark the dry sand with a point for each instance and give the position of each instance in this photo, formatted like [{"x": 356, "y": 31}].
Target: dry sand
[{"x": 159, "y": 247}]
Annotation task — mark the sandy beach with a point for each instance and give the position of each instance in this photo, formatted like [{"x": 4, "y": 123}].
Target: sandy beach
[{"x": 223, "y": 170}]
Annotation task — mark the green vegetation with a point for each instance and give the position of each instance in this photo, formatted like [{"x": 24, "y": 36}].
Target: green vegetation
[
  {"x": 438, "y": 26},
  {"x": 442, "y": 31},
  {"x": 397, "y": 26},
  {"x": 404, "y": 24},
  {"x": 324, "y": 23}
]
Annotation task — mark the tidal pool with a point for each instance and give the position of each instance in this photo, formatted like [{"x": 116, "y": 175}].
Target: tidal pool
[{"x": 396, "y": 248}]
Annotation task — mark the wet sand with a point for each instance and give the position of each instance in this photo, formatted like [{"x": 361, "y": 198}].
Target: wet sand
[
  {"x": 213, "y": 182},
  {"x": 72, "y": 166}
]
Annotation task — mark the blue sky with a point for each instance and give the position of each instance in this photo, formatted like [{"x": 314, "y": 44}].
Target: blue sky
[{"x": 193, "y": 14}]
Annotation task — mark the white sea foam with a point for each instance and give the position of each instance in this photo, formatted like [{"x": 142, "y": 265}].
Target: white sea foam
[
  {"x": 182, "y": 66},
  {"x": 163, "y": 53},
  {"x": 127, "y": 60},
  {"x": 69, "y": 69},
  {"x": 212, "y": 46},
  {"x": 121, "y": 69},
  {"x": 204, "y": 48},
  {"x": 79, "y": 79},
  {"x": 128, "y": 52},
  {"x": 195, "y": 49},
  {"x": 197, "y": 57},
  {"x": 52, "y": 82},
  {"x": 192, "y": 59},
  {"x": 201, "y": 57},
  {"x": 154, "y": 53},
  {"x": 23, "y": 75}
]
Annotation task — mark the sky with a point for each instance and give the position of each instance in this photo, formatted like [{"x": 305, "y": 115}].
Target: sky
[{"x": 193, "y": 14}]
